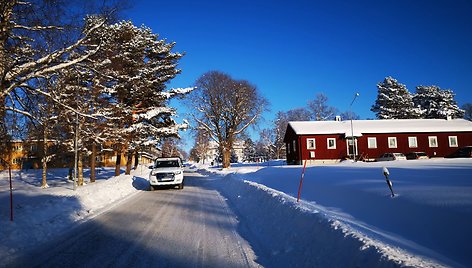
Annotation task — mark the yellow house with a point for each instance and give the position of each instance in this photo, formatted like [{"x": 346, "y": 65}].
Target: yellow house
[
  {"x": 12, "y": 155},
  {"x": 27, "y": 154}
]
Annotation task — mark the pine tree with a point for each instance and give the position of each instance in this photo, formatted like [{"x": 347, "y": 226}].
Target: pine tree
[
  {"x": 467, "y": 111},
  {"x": 435, "y": 102},
  {"x": 119, "y": 94},
  {"x": 134, "y": 71},
  {"x": 394, "y": 101}
]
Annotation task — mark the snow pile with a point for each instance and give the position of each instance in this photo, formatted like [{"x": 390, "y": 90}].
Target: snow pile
[
  {"x": 43, "y": 214},
  {"x": 346, "y": 217},
  {"x": 427, "y": 224}
]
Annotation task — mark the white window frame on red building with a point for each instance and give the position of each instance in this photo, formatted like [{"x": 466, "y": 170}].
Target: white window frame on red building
[
  {"x": 333, "y": 145},
  {"x": 311, "y": 146},
  {"x": 371, "y": 145},
  {"x": 412, "y": 142},
  {"x": 433, "y": 141},
  {"x": 394, "y": 144},
  {"x": 453, "y": 142}
]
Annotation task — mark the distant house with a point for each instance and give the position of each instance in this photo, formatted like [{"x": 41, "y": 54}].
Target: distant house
[
  {"x": 213, "y": 151},
  {"x": 19, "y": 154},
  {"x": 331, "y": 141}
]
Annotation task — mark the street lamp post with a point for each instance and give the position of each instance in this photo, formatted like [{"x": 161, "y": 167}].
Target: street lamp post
[{"x": 352, "y": 128}]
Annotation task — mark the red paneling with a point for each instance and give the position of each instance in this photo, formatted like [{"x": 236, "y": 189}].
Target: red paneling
[
  {"x": 443, "y": 149},
  {"x": 322, "y": 152}
]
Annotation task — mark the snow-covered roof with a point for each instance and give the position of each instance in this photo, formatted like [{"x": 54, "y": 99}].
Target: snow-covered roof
[{"x": 360, "y": 127}]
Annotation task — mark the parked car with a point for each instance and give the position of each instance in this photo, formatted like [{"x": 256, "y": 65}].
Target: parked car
[
  {"x": 462, "y": 152},
  {"x": 391, "y": 157},
  {"x": 167, "y": 171},
  {"x": 416, "y": 155}
]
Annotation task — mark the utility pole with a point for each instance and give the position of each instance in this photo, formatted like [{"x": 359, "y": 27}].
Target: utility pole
[{"x": 352, "y": 128}]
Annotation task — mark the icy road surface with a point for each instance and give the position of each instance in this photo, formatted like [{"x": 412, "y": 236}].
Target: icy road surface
[{"x": 193, "y": 227}]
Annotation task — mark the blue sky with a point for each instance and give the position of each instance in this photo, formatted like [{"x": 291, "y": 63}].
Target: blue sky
[{"x": 292, "y": 50}]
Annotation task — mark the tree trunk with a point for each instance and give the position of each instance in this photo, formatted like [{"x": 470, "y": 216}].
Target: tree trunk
[
  {"x": 5, "y": 33},
  {"x": 129, "y": 159},
  {"x": 118, "y": 164},
  {"x": 70, "y": 171},
  {"x": 136, "y": 160},
  {"x": 93, "y": 162},
  {"x": 44, "y": 183},
  {"x": 80, "y": 169},
  {"x": 226, "y": 157}
]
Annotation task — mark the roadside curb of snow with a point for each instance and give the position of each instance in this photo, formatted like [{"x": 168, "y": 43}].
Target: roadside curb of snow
[
  {"x": 92, "y": 200},
  {"x": 303, "y": 234}
]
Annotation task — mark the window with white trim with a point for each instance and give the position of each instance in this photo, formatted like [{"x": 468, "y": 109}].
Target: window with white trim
[
  {"x": 310, "y": 144},
  {"x": 433, "y": 141},
  {"x": 312, "y": 154},
  {"x": 372, "y": 142},
  {"x": 331, "y": 143},
  {"x": 453, "y": 141},
  {"x": 392, "y": 142},
  {"x": 412, "y": 142}
]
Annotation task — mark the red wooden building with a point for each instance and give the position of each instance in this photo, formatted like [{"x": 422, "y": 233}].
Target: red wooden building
[{"x": 331, "y": 141}]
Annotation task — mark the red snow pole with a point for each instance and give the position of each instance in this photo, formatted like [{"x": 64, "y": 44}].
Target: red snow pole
[{"x": 301, "y": 182}]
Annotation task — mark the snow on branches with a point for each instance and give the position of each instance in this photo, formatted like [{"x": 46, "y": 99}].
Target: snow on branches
[
  {"x": 394, "y": 101},
  {"x": 435, "y": 102},
  {"x": 107, "y": 83}
]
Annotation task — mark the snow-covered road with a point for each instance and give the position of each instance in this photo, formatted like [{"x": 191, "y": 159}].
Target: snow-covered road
[{"x": 193, "y": 227}]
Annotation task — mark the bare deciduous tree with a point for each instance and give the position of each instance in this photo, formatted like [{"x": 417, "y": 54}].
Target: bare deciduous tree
[
  {"x": 201, "y": 147},
  {"x": 225, "y": 107},
  {"x": 171, "y": 147},
  {"x": 321, "y": 111},
  {"x": 280, "y": 126}
]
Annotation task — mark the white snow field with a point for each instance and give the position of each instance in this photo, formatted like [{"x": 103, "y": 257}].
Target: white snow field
[
  {"x": 427, "y": 223},
  {"x": 345, "y": 211}
]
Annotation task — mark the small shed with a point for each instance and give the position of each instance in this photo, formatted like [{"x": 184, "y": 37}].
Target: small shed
[{"x": 333, "y": 141}]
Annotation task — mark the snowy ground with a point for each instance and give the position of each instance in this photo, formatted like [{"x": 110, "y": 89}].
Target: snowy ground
[
  {"x": 42, "y": 214},
  {"x": 426, "y": 224},
  {"x": 346, "y": 210}
]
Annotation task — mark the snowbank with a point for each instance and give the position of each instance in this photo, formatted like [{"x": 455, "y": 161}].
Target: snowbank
[
  {"x": 305, "y": 235},
  {"x": 43, "y": 214},
  {"x": 427, "y": 224}
]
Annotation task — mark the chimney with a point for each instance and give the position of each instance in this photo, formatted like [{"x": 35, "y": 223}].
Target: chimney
[{"x": 337, "y": 118}]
